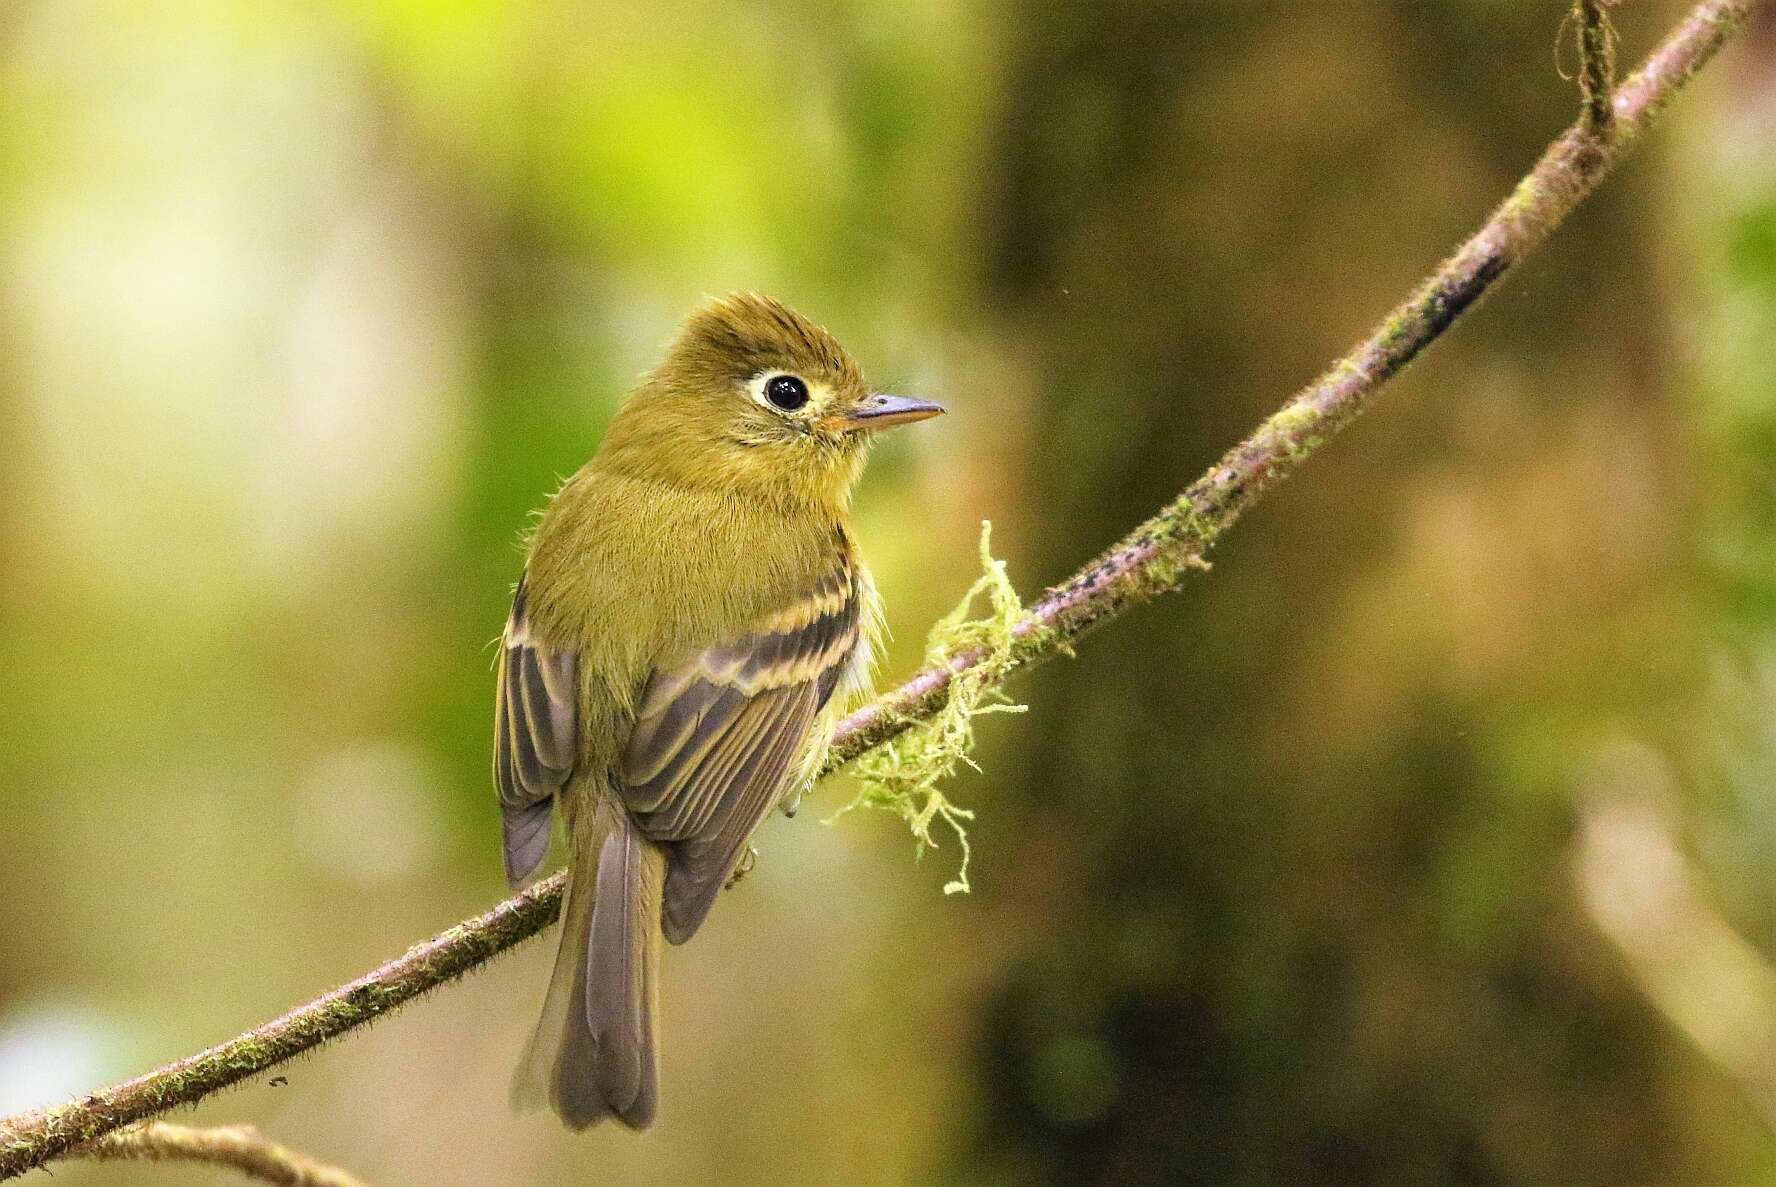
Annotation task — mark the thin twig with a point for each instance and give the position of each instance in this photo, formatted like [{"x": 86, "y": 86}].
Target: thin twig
[
  {"x": 1150, "y": 561},
  {"x": 239, "y": 1147},
  {"x": 1597, "y": 66}
]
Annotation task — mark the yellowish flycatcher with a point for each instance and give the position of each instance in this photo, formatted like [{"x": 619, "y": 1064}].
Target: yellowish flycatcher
[{"x": 692, "y": 616}]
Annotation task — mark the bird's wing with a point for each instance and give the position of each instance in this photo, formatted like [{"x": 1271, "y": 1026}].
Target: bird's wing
[
  {"x": 716, "y": 736},
  {"x": 535, "y": 737}
]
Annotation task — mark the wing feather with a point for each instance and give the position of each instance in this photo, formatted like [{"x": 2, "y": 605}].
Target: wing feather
[
  {"x": 536, "y": 737},
  {"x": 702, "y": 865},
  {"x": 715, "y": 737}
]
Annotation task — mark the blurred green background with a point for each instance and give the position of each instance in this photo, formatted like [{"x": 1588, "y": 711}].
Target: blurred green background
[{"x": 1430, "y": 838}]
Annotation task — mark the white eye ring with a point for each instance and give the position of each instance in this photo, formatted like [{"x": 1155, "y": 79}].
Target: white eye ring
[{"x": 781, "y": 391}]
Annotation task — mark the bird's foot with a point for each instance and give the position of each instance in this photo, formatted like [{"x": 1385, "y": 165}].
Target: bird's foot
[{"x": 747, "y": 861}]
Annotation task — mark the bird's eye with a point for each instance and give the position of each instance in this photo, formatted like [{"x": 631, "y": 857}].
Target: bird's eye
[{"x": 786, "y": 392}]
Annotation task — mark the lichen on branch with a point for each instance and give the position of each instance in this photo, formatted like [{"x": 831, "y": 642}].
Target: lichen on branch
[
  {"x": 902, "y": 775},
  {"x": 1596, "y": 35}
]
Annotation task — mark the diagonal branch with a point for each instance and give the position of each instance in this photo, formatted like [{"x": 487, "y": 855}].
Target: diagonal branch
[{"x": 1150, "y": 561}]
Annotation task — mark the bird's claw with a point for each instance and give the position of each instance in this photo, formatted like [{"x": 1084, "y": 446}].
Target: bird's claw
[{"x": 747, "y": 861}]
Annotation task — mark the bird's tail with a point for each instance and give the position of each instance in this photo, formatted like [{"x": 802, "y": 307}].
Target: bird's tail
[{"x": 595, "y": 1051}]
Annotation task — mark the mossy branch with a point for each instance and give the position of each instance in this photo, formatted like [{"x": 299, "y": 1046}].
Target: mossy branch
[
  {"x": 1149, "y": 561},
  {"x": 902, "y": 774},
  {"x": 1151, "y": 558},
  {"x": 1597, "y": 65},
  {"x": 238, "y": 1147},
  {"x": 31, "y": 1139}
]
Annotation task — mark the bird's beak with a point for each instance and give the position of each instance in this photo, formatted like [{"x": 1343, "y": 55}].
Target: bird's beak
[{"x": 880, "y": 411}]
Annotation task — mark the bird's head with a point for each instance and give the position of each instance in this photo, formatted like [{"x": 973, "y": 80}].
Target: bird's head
[{"x": 753, "y": 396}]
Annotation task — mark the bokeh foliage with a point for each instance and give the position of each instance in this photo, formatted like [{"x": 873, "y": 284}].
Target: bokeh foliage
[{"x": 305, "y": 308}]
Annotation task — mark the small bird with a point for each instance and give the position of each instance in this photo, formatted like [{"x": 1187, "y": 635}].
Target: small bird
[{"x": 692, "y": 617}]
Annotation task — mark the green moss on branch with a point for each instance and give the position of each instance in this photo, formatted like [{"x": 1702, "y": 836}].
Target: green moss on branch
[{"x": 902, "y": 775}]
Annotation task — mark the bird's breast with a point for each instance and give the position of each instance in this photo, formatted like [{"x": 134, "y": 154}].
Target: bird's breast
[{"x": 635, "y": 572}]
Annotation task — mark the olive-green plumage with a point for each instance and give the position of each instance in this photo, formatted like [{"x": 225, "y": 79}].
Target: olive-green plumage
[{"x": 692, "y": 615}]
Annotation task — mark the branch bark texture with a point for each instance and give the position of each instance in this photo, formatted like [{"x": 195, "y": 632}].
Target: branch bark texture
[
  {"x": 1149, "y": 561},
  {"x": 238, "y": 1147},
  {"x": 1597, "y": 66}
]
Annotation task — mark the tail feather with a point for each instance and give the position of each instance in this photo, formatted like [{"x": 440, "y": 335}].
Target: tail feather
[
  {"x": 595, "y": 1052},
  {"x": 621, "y": 967},
  {"x": 533, "y": 1083}
]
